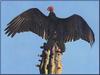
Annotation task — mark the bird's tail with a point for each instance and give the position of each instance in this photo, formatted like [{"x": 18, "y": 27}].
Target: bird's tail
[{"x": 60, "y": 44}]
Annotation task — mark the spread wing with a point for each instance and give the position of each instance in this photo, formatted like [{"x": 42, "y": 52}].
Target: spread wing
[
  {"x": 75, "y": 27},
  {"x": 31, "y": 20}
]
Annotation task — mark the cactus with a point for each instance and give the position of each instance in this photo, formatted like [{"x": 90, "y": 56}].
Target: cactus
[{"x": 50, "y": 62}]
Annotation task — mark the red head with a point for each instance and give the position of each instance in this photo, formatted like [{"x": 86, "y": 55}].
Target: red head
[{"x": 50, "y": 8}]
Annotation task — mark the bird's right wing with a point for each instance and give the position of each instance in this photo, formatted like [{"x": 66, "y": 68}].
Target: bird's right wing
[
  {"x": 75, "y": 27},
  {"x": 31, "y": 20}
]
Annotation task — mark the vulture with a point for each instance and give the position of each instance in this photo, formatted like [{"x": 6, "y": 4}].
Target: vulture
[{"x": 51, "y": 28}]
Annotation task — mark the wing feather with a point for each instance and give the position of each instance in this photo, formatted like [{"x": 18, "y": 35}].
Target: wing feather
[
  {"x": 75, "y": 27},
  {"x": 31, "y": 20}
]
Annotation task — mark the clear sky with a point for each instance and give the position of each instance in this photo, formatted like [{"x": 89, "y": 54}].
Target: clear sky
[{"x": 19, "y": 55}]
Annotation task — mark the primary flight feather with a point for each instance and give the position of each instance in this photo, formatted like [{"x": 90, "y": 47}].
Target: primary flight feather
[{"x": 53, "y": 29}]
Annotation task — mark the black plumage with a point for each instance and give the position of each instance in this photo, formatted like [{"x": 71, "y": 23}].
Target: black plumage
[{"x": 53, "y": 29}]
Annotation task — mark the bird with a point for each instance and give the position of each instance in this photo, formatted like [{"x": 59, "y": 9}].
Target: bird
[{"x": 51, "y": 28}]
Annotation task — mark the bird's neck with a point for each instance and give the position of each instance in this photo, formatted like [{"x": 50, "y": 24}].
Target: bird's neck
[{"x": 52, "y": 15}]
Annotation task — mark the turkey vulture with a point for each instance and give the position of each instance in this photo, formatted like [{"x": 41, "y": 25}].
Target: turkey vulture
[{"x": 53, "y": 29}]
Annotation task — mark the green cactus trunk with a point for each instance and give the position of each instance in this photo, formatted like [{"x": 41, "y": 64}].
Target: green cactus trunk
[{"x": 50, "y": 62}]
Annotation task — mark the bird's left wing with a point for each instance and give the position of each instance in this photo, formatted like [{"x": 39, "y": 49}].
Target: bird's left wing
[
  {"x": 75, "y": 27},
  {"x": 31, "y": 20}
]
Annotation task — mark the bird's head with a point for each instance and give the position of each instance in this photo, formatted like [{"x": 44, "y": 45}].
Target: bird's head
[{"x": 50, "y": 8}]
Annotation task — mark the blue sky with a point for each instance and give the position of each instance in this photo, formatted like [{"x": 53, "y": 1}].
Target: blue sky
[{"x": 19, "y": 54}]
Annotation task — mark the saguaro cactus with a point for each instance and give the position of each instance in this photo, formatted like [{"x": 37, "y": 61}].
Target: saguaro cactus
[{"x": 50, "y": 62}]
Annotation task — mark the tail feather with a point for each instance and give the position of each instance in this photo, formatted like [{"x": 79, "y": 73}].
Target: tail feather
[{"x": 60, "y": 44}]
